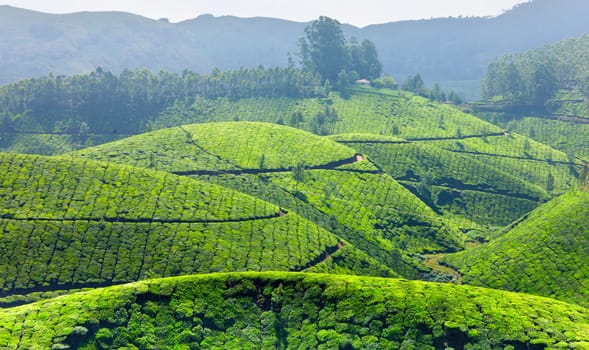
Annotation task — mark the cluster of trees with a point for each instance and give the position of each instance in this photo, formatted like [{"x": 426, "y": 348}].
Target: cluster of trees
[
  {"x": 416, "y": 85},
  {"x": 101, "y": 102},
  {"x": 534, "y": 77},
  {"x": 326, "y": 51},
  {"x": 531, "y": 84}
]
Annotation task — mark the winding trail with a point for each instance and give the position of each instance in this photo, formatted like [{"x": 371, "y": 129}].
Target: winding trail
[
  {"x": 321, "y": 258},
  {"x": 433, "y": 261},
  {"x": 149, "y": 220},
  {"x": 257, "y": 171}
]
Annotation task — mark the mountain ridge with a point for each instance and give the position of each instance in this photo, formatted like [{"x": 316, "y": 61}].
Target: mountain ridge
[{"x": 430, "y": 47}]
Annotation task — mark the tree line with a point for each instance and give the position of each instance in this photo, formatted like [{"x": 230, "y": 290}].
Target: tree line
[
  {"x": 532, "y": 78},
  {"x": 101, "y": 102},
  {"x": 109, "y": 103}
]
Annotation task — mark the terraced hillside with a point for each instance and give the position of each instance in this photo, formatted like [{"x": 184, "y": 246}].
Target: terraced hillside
[
  {"x": 473, "y": 192},
  {"x": 357, "y": 110},
  {"x": 545, "y": 254},
  {"x": 282, "y": 310},
  {"x": 320, "y": 179},
  {"x": 523, "y": 158},
  {"x": 400, "y": 115},
  {"x": 68, "y": 223},
  {"x": 566, "y": 136}
]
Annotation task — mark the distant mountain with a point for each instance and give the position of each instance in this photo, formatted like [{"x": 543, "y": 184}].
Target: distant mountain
[{"x": 453, "y": 51}]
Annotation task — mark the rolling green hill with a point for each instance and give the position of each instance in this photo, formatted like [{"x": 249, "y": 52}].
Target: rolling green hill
[
  {"x": 522, "y": 158},
  {"x": 308, "y": 174},
  {"x": 506, "y": 158},
  {"x": 222, "y": 147},
  {"x": 473, "y": 192},
  {"x": 287, "y": 311},
  {"x": 68, "y": 223},
  {"x": 544, "y": 254}
]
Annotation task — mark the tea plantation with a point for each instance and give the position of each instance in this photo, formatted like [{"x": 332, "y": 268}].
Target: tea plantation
[
  {"x": 311, "y": 175},
  {"x": 293, "y": 311},
  {"x": 472, "y": 192},
  {"x": 67, "y": 223},
  {"x": 545, "y": 254},
  {"x": 239, "y": 222}
]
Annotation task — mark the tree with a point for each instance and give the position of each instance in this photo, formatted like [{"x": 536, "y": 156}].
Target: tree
[
  {"x": 386, "y": 81},
  {"x": 543, "y": 85},
  {"x": 415, "y": 84},
  {"x": 298, "y": 172},
  {"x": 364, "y": 59},
  {"x": 324, "y": 49},
  {"x": 583, "y": 176}
]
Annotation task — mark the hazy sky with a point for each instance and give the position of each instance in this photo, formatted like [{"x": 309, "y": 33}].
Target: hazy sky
[{"x": 359, "y": 13}]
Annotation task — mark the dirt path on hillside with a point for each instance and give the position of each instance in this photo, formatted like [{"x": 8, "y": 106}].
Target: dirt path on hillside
[{"x": 433, "y": 261}]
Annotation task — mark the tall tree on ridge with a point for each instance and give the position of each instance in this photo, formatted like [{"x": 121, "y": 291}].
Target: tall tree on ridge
[{"x": 324, "y": 49}]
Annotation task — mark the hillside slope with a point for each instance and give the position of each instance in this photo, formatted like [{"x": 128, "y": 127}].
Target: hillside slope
[
  {"x": 67, "y": 223},
  {"x": 457, "y": 184},
  {"x": 452, "y": 137},
  {"x": 323, "y": 180},
  {"x": 279, "y": 310},
  {"x": 545, "y": 254}
]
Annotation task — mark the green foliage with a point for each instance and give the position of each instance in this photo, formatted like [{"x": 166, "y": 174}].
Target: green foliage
[
  {"x": 326, "y": 52},
  {"x": 103, "y": 104},
  {"x": 544, "y": 254},
  {"x": 67, "y": 188},
  {"x": 317, "y": 178},
  {"x": 365, "y": 110},
  {"x": 69, "y": 223},
  {"x": 470, "y": 191},
  {"x": 567, "y": 137},
  {"x": 378, "y": 207},
  {"x": 551, "y": 103},
  {"x": 291, "y": 311},
  {"x": 533, "y": 78},
  {"x": 364, "y": 61},
  {"x": 323, "y": 50},
  {"x": 416, "y": 85},
  {"x": 385, "y": 82},
  {"x": 521, "y": 157},
  {"x": 222, "y": 146}
]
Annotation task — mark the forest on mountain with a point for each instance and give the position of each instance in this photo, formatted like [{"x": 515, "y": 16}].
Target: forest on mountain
[
  {"x": 534, "y": 78},
  {"x": 454, "y": 51},
  {"x": 542, "y": 93}
]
